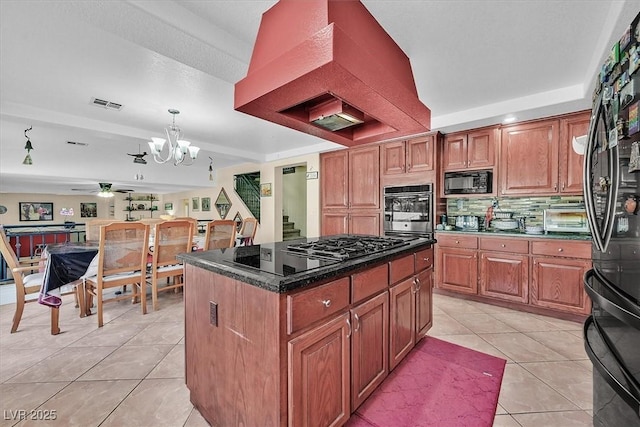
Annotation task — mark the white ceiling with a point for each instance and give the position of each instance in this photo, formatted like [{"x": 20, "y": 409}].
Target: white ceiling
[{"x": 474, "y": 62}]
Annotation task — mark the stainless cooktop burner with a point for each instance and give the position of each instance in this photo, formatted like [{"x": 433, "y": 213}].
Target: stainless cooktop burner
[{"x": 345, "y": 247}]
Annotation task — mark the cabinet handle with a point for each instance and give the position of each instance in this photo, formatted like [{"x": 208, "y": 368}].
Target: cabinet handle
[
  {"x": 426, "y": 259},
  {"x": 559, "y": 249},
  {"x": 326, "y": 303},
  {"x": 555, "y": 187},
  {"x": 349, "y": 326},
  {"x": 357, "y": 322},
  {"x": 563, "y": 185},
  {"x": 418, "y": 284},
  {"x": 414, "y": 288}
]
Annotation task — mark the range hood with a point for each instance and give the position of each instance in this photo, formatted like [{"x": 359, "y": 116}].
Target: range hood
[{"x": 327, "y": 68}]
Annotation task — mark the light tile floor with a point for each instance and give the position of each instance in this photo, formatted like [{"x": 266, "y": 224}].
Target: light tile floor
[{"x": 131, "y": 371}]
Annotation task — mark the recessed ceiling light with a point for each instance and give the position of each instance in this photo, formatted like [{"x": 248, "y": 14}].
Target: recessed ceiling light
[{"x": 509, "y": 119}]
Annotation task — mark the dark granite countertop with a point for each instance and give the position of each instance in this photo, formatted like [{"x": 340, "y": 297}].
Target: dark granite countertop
[
  {"x": 224, "y": 262},
  {"x": 515, "y": 233}
]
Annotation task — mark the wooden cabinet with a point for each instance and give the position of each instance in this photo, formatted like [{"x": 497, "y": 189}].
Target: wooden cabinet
[
  {"x": 369, "y": 347},
  {"x": 320, "y": 375},
  {"x": 457, "y": 263},
  {"x": 351, "y": 222},
  {"x": 469, "y": 150},
  {"x": 504, "y": 269},
  {"x": 350, "y": 191},
  {"x": 424, "y": 303},
  {"x": 558, "y": 269},
  {"x": 537, "y": 272},
  {"x": 402, "y": 323},
  {"x": 529, "y": 158},
  {"x": 408, "y": 157},
  {"x": 571, "y": 163}
]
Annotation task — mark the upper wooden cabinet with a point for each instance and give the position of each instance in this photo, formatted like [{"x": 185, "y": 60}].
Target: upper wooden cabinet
[
  {"x": 350, "y": 179},
  {"x": 529, "y": 158},
  {"x": 571, "y": 163},
  {"x": 469, "y": 150},
  {"x": 408, "y": 157}
]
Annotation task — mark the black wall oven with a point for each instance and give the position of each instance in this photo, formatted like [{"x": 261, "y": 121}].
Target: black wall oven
[{"x": 408, "y": 211}]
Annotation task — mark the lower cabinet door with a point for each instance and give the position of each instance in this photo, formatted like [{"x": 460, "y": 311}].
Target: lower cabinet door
[
  {"x": 557, "y": 283},
  {"x": 335, "y": 223},
  {"x": 504, "y": 276},
  {"x": 458, "y": 270},
  {"x": 424, "y": 303},
  {"x": 320, "y": 375},
  {"x": 369, "y": 347},
  {"x": 402, "y": 318}
]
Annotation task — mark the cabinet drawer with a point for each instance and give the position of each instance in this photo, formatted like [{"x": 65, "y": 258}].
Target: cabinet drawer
[
  {"x": 309, "y": 306},
  {"x": 401, "y": 268},
  {"x": 369, "y": 282},
  {"x": 517, "y": 246},
  {"x": 563, "y": 248},
  {"x": 458, "y": 241},
  {"x": 424, "y": 259}
]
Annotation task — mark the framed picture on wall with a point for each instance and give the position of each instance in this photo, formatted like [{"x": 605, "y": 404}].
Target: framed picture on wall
[
  {"x": 195, "y": 203},
  {"x": 265, "y": 190},
  {"x": 34, "y": 211},
  {"x": 88, "y": 210},
  {"x": 168, "y": 206},
  {"x": 206, "y": 204}
]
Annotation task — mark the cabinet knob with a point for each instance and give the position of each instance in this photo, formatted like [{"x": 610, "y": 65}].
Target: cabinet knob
[
  {"x": 426, "y": 259},
  {"x": 503, "y": 245},
  {"x": 563, "y": 185},
  {"x": 457, "y": 241},
  {"x": 559, "y": 249},
  {"x": 326, "y": 303}
]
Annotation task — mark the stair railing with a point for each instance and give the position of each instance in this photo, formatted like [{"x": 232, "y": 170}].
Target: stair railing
[{"x": 248, "y": 191}]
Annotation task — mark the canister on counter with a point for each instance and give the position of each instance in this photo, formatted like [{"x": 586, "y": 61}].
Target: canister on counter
[{"x": 443, "y": 219}]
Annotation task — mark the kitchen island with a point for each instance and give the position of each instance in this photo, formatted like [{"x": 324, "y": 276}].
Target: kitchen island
[{"x": 275, "y": 337}]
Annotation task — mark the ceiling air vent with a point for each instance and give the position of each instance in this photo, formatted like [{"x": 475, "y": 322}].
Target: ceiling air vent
[
  {"x": 106, "y": 104},
  {"x": 82, "y": 144}
]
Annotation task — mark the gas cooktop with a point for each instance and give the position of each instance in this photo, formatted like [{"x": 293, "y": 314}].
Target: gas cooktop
[
  {"x": 284, "y": 259},
  {"x": 345, "y": 247}
]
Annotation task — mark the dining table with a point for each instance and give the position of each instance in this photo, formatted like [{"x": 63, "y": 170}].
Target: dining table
[{"x": 66, "y": 264}]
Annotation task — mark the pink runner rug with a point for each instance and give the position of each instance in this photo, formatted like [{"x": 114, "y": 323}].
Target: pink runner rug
[{"x": 437, "y": 384}]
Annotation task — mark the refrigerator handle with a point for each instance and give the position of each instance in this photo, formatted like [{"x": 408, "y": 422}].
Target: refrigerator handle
[
  {"x": 612, "y": 197},
  {"x": 587, "y": 184}
]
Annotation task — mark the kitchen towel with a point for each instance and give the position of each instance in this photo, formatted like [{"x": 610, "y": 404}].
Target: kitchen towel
[{"x": 437, "y": 384}]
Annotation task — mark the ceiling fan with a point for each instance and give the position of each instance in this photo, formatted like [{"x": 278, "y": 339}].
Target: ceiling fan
[{"x": 104, "y": 190}]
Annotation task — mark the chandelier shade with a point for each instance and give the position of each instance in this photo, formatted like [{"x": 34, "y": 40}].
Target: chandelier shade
[{"x": 178, "y": 150}]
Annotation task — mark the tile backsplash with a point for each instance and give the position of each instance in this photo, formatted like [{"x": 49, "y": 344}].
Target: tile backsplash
[{"x": 530, "y": 207}]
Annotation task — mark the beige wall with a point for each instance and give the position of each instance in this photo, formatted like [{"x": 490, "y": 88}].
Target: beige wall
[
  {"x": 12, "y": 216},
  {"x": 269, "y": 230}
]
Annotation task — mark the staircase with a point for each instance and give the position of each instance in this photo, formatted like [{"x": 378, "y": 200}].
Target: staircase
[
  {"x": 289, "y": 232},
  {"x": 247, "y": 187}
]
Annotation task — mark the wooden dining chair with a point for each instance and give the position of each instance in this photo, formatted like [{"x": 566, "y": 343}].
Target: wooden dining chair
[
  {"x": 92, "y": 227},
  {"x": 221, "y": 233},
  {"x": 248, "y": 231},
  {"x": 122, "y": 260},
  {"x": 27, "y": 285},
  {"x": 172, "y": 238}
]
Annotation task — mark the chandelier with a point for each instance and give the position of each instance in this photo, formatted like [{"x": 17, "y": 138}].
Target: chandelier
[{"x": 177, "y": 150}]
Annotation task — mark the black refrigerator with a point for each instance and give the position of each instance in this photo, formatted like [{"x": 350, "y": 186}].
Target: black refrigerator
[{"x": 612, "y": 198}]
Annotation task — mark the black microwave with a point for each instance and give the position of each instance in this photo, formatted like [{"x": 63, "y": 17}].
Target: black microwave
[{"x": 468, "y": 182}]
